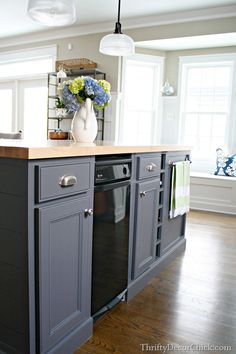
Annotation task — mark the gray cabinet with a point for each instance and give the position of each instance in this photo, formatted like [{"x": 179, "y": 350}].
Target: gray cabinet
[
  {"x": 172, "y": 229},
  {"x": 63, "y": 232},
  {"x": 157, "y": 240},
  {"x": 46, "y": 254},
  {"x": 46, "y": 246},
  {"x": 51, "y": 178},
  {"x": 65, "y": 241},
  {"x": 146, "y": 211},
  {"x": 148, "y": 166},
  {"x": 145, "y": 228}
]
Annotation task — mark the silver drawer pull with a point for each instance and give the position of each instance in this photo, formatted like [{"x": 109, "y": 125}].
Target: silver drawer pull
[
  {"x": 67, "y": 181},
  {"x": 151, "y": 167},
  {"x": 88, "y": 212},
  {"x": 142, "y": 194}
]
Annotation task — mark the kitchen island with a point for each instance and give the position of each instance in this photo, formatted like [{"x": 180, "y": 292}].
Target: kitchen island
[{"x": 46, "y": 223}]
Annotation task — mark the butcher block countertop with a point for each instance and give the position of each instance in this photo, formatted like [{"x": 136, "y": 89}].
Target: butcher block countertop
[{"x": 28, "y": 150}]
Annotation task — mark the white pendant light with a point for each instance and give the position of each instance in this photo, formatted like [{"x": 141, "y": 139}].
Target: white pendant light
[
  {"x": 52, "y": 12},
  {"x": 117, "y": 44}
]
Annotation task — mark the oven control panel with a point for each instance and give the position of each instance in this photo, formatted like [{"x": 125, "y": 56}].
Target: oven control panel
[{"x": 112, "y": 172}]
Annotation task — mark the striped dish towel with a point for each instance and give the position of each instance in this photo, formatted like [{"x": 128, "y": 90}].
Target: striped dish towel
[{"x": 180, "y": 186}]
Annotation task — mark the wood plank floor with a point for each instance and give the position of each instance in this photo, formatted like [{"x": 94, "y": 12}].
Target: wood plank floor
[{"x": 192, "y": 302}]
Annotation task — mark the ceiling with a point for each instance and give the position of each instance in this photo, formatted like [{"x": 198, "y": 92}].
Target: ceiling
[{"x": 14, "y": 21}]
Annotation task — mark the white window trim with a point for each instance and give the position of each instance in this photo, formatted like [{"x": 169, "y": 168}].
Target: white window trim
[
  {"x": 158, "y": 116},
  {"x": 206, "y": 58},
  {"x": 29, "y": 54},
  {"x": 22, "y": 78},
  {"x": 189, "y": 61},
  {"x": 46, "y": 52}
]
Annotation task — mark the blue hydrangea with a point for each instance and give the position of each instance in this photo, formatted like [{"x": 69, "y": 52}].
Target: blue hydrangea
[
  {"x": 70, "y": 100},
  {"x": 102, "y": 98},
  {"x": 91, "y": 86},
  {"x": 92, "y": 89}
]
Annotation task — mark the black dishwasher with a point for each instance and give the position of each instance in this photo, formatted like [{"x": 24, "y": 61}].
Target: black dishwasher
[{"x": 110, "y": 231}]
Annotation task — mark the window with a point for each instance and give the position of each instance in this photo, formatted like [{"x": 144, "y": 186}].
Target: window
[
  {"x": 25, "y": 68},
  {"x": 7, "y": 107},
  {"x": 206, "y": 86},
  {"x": 141, "y": 83},
  {"x": 23, "y": 91},
  {"x": 32, "y": 111}
]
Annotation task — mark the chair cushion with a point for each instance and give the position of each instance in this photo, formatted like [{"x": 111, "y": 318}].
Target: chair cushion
[
  {"x": 10, "y": 135},
  {"x": 225, "y": 164}
]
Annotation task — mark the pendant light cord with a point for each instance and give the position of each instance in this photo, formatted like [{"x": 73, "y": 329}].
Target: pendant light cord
[
  {"x": 118, "y": 24},
  {"x": 118, "y": 11}
]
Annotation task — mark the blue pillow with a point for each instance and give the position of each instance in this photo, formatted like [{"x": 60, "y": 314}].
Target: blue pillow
[{"x": 225, "y": 165}]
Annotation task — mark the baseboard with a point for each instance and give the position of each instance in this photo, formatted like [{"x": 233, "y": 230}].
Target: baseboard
[
  {"x": 138, "y": 284},
  {"x": 74, "y": 340},
  {"x": 215, "y": 208}
]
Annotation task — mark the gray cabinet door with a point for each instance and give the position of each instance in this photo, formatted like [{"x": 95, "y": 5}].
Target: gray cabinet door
[
  {"x": 65, "y": 244},
  {"x": 172, "y": 229},
  {"x": 145, "y": 228}
]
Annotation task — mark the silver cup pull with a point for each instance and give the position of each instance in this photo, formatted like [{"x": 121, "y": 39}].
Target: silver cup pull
[
  {"x": 142, "y": 194},
  {"x": 88, "y": 212},
  {"x": 151, "y": 167},
  {"x": 67, "y": 181}
]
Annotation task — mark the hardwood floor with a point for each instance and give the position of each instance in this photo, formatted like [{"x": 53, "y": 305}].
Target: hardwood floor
[{"x": 192, "y": 302}]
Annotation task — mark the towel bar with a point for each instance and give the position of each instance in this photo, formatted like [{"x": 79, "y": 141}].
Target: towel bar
[{"x": 171, "y": 163}]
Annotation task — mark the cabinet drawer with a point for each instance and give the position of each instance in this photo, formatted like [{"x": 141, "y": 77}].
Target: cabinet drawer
[
  {"x": 149, "y": 166},
  {"x": 58, "y": 181}
]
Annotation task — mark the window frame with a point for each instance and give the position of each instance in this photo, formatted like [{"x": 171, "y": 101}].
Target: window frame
[
  {"x": 157, "y": 118},
  {"x": 12, "y": 86},
  {"x": 24, "y": 55},
  {"x": 186, "y": 62},
  {"x": 46, "y": 52}
]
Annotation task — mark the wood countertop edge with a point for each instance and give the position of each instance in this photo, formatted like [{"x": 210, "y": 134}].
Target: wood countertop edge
[
  {"x": 14, "y": 152},
  {"x": 93, "y": 151},
  {"x": 34, "y": 153}
]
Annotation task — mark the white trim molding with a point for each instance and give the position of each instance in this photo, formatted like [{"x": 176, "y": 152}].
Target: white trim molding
[
  {"x": 213, "y": 193},
  {"x": 49, "y": 51},
  {"x": 34, "y": 54},
  {"x": 206, "y": 58}
]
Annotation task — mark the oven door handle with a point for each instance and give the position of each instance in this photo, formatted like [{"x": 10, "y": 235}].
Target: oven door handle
[{"x": 109, "y": 186}]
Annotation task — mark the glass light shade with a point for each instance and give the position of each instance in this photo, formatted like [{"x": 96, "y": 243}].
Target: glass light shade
[
  {"x": 52, "y": 12},
  {"x": 61, "y": 74},
  {"x": 166, "y": 89},
  {"x": 117, "y": 44}
]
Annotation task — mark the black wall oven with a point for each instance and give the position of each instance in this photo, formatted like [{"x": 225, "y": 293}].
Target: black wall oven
[{"x": 110, "y": 231}]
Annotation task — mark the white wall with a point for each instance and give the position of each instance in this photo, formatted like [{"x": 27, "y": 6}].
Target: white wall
[{"x": 170, "y": 120}]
